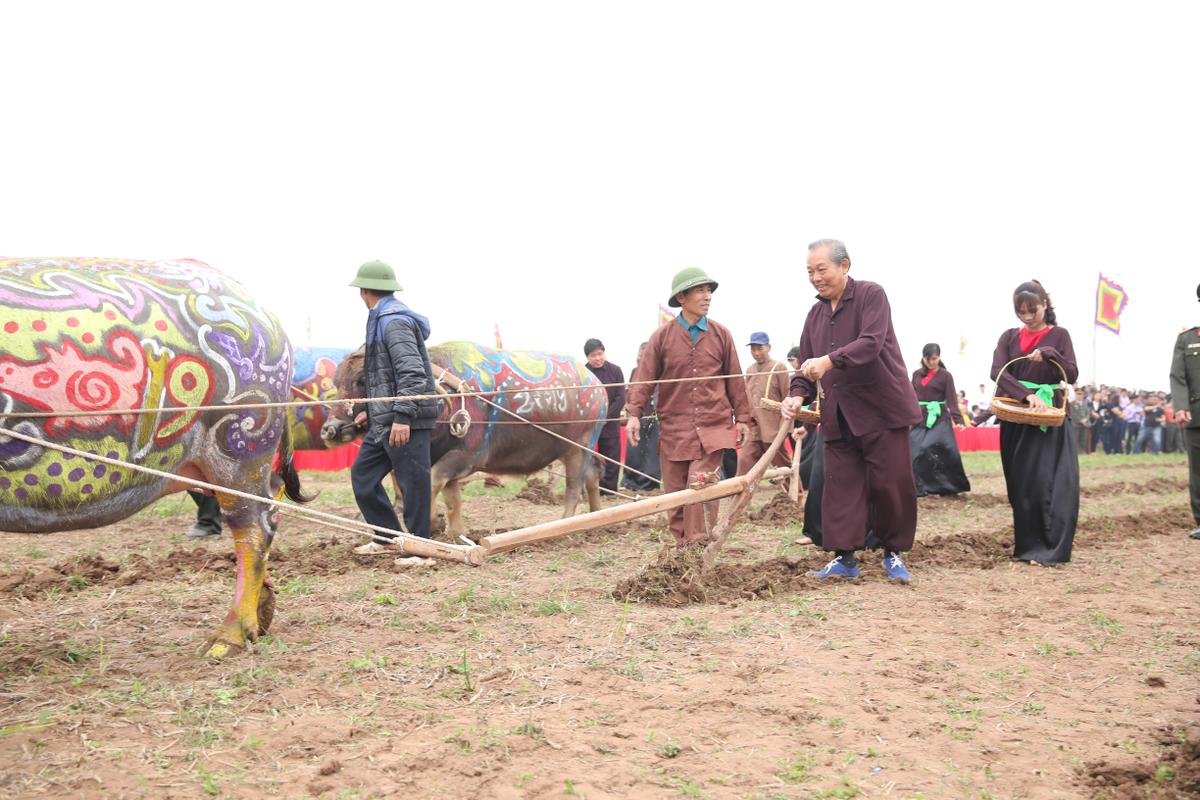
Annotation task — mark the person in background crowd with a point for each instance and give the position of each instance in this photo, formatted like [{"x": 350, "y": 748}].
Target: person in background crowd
[
  {"x": 849, "y": 347},
  {"x": 1122, "y": 423},
  {"x": 1172, "y": 429},
  {"x": 767, "y": 379},
  {"x": 1185, "y": 391},
  {"x": 1041, "y": 466},
  {"x": 1152, "y": 422},
  {"x": 609, "y": 444},
  {"x": 936, "y": 464},
  {"x": 1080, "y": 414},
  {"x": 1111, "y": 424},
  {"x": 793, "y": 359},
  {"x": 698, "y": 420},
  {"x": 1097, "y": 412},
  {"x": 1133, "y": 420},
  {"x": 643, "y": 457}
]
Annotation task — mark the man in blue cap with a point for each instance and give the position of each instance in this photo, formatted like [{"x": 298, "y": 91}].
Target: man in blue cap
[{"x": 770, "y": 379}]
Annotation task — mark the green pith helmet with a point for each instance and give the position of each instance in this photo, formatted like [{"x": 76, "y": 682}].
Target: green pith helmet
[
  {"x": 687, "y": 278},
  {"x": 378, "y": 276}
]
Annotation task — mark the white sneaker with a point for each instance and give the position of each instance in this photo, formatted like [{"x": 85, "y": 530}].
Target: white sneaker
[
  {"x": 412, "y": 562},
  {"x": 372, "y": 548}
]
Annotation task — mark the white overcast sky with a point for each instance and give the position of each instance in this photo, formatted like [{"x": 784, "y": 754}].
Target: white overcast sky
[{"x": 548, "y": 166}]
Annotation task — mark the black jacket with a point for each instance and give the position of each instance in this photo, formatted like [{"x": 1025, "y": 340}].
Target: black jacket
[{"x": 396, "y": 365}]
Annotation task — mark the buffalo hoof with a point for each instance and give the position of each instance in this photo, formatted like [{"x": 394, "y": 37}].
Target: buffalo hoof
[
  {"x": 217, "y": 648},
  {"x": 266, "y": 607}
]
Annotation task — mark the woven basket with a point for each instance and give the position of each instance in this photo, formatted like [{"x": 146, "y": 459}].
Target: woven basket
[{"x": 1010, "y": 409}]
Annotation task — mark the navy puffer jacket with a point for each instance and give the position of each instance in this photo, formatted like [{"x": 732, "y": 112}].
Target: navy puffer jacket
[{"x": 397, "y": 364}]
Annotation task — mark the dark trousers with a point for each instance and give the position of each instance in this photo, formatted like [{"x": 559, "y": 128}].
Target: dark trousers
[
  {"x": 1172, "y": 436},
  {"x": 1192, "y": 437},
  {"x": 208, "y": 511},
  {"x": 643, "y": 458},
  {"x": 410, "y": 466},
  {"x": 870, "y": 473},
  {"x": 1111, "y": 437},
  {"x": 1131, "y": 434},
  {"x": 609, "y": 445},
  {"x": 1081, "y": 437}
]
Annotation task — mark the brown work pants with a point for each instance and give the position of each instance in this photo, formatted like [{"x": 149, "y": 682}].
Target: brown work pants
[
  {"x": 876, "y": 470},
  {"x": 754, "y": 449},
  {"x": 688, "y": 522}
]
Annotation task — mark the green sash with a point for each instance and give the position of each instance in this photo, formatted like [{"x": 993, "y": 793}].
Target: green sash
[
  {"x": 933, "y": 410},
  {"x": 1044, "y": 392}
]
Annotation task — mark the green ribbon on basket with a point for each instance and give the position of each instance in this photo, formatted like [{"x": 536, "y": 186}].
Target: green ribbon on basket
[
  {"x": 933, "y": 410},
  {"x": 1044, "y": 392}
]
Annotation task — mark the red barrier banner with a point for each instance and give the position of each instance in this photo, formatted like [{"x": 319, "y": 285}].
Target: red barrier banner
[{"x": 985, "y": 438}]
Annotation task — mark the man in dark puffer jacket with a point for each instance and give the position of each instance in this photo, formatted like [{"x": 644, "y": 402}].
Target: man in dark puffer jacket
[{"x": 398, "y": 433}]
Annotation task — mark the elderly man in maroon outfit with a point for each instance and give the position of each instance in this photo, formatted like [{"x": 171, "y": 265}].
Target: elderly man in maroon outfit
[
  {"x": 850, "y": 348},
  {"x": 698, "y": 419}
]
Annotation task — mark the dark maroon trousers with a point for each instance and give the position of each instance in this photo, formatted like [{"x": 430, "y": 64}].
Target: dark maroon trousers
[{"x": 872, "y": 470}]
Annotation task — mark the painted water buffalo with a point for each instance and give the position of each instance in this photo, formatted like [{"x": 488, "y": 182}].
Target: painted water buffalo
[
  {"x": 100, "y": 335},
  {"x": 312, "y": 379},
  {"x": 536, "y": 386}
]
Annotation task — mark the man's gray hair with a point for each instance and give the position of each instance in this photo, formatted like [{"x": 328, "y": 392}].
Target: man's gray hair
[{"x": 837, "y": 249}]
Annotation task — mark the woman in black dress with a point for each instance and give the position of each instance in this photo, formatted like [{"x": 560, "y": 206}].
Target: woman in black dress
[
  {"x": 937, "y": 465},
  {"x": 1041, "y": 465}
]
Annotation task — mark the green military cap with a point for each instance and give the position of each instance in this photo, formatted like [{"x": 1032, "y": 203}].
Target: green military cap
[
  {"x": 686, "y": 279},
  {"x": 378, "y": 276}
]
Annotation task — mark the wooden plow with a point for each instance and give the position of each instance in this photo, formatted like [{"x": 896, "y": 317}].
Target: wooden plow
[{"x": 742, "y": 486}]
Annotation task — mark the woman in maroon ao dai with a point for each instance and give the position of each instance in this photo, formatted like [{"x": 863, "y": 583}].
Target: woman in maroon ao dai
[
  {"x": 937, "y": 465},
  {"x": 1041, "y": 466}
]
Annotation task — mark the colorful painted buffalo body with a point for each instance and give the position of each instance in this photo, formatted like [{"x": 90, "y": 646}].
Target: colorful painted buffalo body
[
  {"x": 539, "y": 387},
  {"x": 312, "y": 379},
  {"x": 106, "y": 336}
]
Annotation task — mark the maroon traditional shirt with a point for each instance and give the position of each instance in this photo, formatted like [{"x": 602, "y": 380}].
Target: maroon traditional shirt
[
  {"x": 867, "y": 382},
  {"x": 1056, "y": 346},
  {"x": 695, "y": 417},
  {"x": 940, "y": 387}
]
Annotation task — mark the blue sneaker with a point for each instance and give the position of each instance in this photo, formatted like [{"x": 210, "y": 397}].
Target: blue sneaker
[
  {"x": 834, "y": 570},
  {"x": 896, "y": 571}
]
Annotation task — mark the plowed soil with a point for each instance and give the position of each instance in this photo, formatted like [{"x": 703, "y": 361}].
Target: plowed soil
[{"x": 605, "y": 665}]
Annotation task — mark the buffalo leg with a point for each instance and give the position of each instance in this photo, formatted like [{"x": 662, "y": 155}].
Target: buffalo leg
[
  {"x": 592, "y": 483},
  {"x": 581, "y": 474},
  {"x": 253, "y": 530},
  {"x": 452, "y": 493}
]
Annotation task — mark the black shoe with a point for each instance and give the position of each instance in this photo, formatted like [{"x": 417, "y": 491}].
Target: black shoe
[
  {"x": 1195, "y": 534},
  {"x": 201, "y": 532}
]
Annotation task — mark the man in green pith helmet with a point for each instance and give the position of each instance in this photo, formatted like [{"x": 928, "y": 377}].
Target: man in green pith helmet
[
  {"x": 698, "y": 419},
  {"x": 398, "y": 431},
  {"x": 1185, "y": 399}
]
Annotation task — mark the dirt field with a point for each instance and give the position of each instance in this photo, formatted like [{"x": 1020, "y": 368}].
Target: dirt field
[{"x": 525, "y": 678}]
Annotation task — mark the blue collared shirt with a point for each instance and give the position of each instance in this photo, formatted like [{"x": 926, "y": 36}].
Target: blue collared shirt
[{"x": 694, "y": 330}]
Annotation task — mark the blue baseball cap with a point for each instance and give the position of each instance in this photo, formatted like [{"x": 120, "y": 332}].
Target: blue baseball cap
[{"x": 759, "y": 337}]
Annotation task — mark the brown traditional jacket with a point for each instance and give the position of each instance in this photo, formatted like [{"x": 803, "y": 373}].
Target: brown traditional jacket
[
  {"x": 695, "y": 417},
  {"x": 771, "y": 380},
  {"x": 869, "y": 382}
]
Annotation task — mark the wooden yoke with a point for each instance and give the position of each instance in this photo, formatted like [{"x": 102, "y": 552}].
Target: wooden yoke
[{"x": 734, "y": 509}]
